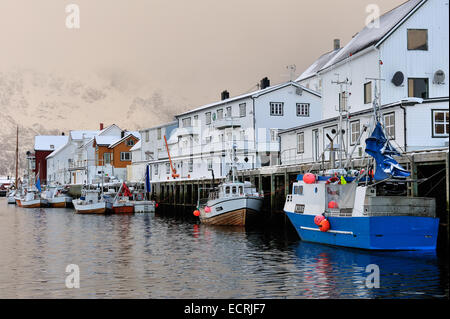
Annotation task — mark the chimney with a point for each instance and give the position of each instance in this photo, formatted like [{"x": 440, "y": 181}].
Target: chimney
[
  {"x": 122, "y": 134},
  {"x": 101, "y": 126},
  {"x": 265, "y": 82},
  {"x": 62, "y": 134},
  {"x": 336, "y": 44},
  {"x": 224, "y": 95}
]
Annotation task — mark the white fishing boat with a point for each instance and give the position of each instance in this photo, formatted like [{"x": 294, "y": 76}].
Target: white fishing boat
[
  {"x": 10, "y": 197},
  {"x": 57, "y": 197},
  {"x": 32, "y": 199},
  {"x": 91, "y": 202},
  {"x": 232, "y": 203}
]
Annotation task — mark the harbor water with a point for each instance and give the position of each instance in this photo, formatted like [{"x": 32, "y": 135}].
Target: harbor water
[{"x": 154, "y": 256}]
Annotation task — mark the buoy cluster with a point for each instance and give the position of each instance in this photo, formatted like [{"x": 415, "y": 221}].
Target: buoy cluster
[
  {"x": 197, "y": 211},
  {"x": 322, "y": 222}
]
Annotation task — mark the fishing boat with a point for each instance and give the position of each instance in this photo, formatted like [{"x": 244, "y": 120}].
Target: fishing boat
[
  {"x": 232, "y": 203},
  {"x": 91, "y": 202},
  {"x": 120, "y": 203},
  {"x": 32, "y": 199},
  {"x": 141, "y": 203},
  {"x": 369, "y": 210},
  {"x": 57, "y": 197},
  {"x": 10, "y": 197}
]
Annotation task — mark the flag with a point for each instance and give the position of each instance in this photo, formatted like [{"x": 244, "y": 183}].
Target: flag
[
  {"x": 126, "y": 190},
  {"x": 38, "y": 184},
  {"x": 147, "y": 180},
  {"x": 378, "y": 146}
]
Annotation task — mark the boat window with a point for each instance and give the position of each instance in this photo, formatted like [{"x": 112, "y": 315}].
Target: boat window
[
  {"x": 241, "y": 190},
  {"x": 234, "y": 190},
  {"x": 227, "y": 190},
  {"x": 298, "y": 190}
]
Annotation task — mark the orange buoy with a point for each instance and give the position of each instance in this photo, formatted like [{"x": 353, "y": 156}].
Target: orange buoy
[
  {"x": 318, "y": 219},
  {"x": 324, "y": 225},
  {"x": 309, "y": 178},
  {"x": 196, "y": 213},
  {"x": 333, "y": 204}
]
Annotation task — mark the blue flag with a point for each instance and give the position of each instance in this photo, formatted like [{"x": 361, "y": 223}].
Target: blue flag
[
  {"x": 38, "y": 184},
  {"x": 378, "y": 146},
  {"x": 147, "y": 179}
]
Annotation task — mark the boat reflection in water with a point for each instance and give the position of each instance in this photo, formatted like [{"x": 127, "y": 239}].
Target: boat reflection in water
[{"x": 336, "y": 272}]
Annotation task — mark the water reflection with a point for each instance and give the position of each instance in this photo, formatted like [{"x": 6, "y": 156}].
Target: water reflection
[{"x": 148, "y": 256}]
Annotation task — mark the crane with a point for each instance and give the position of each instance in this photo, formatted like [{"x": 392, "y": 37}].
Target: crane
[{"x": 174, "y": 171}]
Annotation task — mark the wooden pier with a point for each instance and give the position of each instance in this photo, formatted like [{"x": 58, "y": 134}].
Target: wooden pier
[{"x": 275, "y": 183}]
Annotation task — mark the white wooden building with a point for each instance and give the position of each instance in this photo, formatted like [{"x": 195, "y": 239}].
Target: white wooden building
[{"x": 406, "y": 58}]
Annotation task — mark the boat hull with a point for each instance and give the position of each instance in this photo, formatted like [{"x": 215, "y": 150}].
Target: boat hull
[
  {"x": 11, "y": 200},
  {"x": 234, "y": 212},
  {"x": 123, "y": 209},
  {"x": 96, "y": 208},
  {"x": 371, "y": 232},
  {"x": 59, "y": 202},
  {"x": 144, "y": 206},
  {"x": 36, "y": 203}
]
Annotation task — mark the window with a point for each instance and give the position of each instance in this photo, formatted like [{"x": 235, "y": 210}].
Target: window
[
  {"x": 228, "y": 111},
  {"x": 187, "y": 122},
  {"x": 147, "y": 137},
  {"x": 354, "y": 129},
  {"x": 130, "y": 142},
  {"x": 227, "y": 190},
  {"x": 208, "y": 118},
  {"x": 300, "y": 142},
  {"x": 191, "y": 165},
  {"x": 273, "y": 135},
  {"x": 418, "y": 39},
  {"x": 418, "y": 87},
  {"x": 156, "y": 169},
  {"x": 167, "y": 168},
  {"x": 389, "y": 125},
  {"x": 158, "y": 132},
  {"x": 220, "y": 114},
  {"x": 229, "y": 136},
  {"x": 367, "y": 92},
  {"x": 125, "y": 156},
  {"x": 303, "y": 109},
  {"x": 107, "y": 157},
  {"x": 298, "y": 190},
  {"x": 276, "y": 108},
  {"x": 242, "y": 110},
  {"x": 440, "y": 123},
  {"x": 195, "y": 120},
  {"x": 210, "y": 163},
  {"x": 234, "y": 190}
]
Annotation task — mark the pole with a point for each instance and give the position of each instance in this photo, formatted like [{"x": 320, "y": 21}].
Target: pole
[{"x": 17, "y": 157}]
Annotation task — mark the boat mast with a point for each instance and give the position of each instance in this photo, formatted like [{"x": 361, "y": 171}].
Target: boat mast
[
  {"x": 17, "y": 158},
  {"x": 342, "y": 109}
]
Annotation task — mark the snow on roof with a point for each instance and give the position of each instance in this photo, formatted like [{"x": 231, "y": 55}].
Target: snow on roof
[
  {"x": 79, "y": 135},
  {"x": 254, "y": 94},
  {"x": 127, "y": 134},
  {"x": 136, "y": 146},
  {"x": 49, "y": 142},
  {"x": 106, "y": 140},
  {"x": 372, "y": 35},
  {"x": 317, "y": 65}
]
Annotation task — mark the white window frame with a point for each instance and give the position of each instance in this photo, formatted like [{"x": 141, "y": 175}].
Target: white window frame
[
  {"x": 445, "y": 123},
  {"x": 208, "y": 118},
  {"x": 303, "y": 109},
  {"x": 242, "y": 109},
  {"x": 123, "y": 155},
  {"x": 390, "y": 126},
  {"x": 229, "y": 112},
  {"x": 187, "y": 122},
  {"x": 158, "y": 132},
  {"x": 300, "y": 142},
  {"x": 276, "y": 108},
  {"x": 219, "y": 114},
  {"x": 354, "y": 134}
]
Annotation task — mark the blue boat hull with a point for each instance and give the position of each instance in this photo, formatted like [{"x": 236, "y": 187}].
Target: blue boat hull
[{"x": 374, "y": 233}]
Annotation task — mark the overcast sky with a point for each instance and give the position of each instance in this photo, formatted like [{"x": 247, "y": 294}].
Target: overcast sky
[{"x": 193, "y": 49}]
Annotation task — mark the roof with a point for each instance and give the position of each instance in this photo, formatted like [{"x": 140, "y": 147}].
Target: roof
[
  {"x": 78, "y": 135},
  {"x": 136, "y": 146},
  {"x": 106, "y": 140},
  {"x": 253, "y": 94},
  {"x": 49, "y": 142},
  {"x": 370, "y": 36},
  {"x": 317, "y": 65},
  {"x": 121, "y": 139}
]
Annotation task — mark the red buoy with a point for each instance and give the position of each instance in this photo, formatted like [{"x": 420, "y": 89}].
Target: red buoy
[
  {"x": 196, "y": 213},
  {"x": 324, "y": 225},
  {"x": 333, "y": 204},
  {"x": 309, "y": 178},
  {"x": 318, "y": 219},
  {"x": 207, "y": 209},
  {"x": 156, "y": 205}
]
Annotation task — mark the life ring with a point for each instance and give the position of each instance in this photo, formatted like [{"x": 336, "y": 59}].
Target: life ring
[{"x": 333, "y": 180}]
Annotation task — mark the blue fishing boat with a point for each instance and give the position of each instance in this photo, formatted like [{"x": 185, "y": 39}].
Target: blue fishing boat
[{"x": 365, "y": 209}]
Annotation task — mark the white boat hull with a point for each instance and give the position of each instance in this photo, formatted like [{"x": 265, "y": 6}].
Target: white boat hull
[{"x": 93, "y": 208}]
